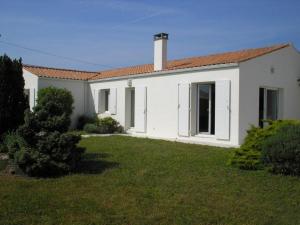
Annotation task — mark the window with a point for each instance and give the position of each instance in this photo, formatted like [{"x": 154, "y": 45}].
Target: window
[
  {"x": 268, "y": 104},
  {"x": 132, "y": 107},
  {"x": 206, "y": 109},
  {"x": 106, "y": 99}
]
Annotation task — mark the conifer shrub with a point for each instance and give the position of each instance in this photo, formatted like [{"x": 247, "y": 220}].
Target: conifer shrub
[
  {"x": 281, "y": 152},
  {"x": 249, "y": 155}
]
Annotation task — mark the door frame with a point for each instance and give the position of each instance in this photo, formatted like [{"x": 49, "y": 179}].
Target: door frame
[{"x": 209, "y": 107}]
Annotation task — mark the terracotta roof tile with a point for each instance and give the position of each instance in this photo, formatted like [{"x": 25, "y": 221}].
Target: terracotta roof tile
[
  {"x": 222, "y": 58},
  {"x": 60, "y": 73}
]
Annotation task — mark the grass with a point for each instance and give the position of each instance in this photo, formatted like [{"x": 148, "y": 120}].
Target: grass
[{"x": 127, "y": 180}]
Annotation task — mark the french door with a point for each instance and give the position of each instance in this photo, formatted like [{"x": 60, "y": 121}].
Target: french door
[{"x": 206, "y": 109}]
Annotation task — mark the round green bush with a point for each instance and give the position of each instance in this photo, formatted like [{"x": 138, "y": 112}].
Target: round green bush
[
  {"x": 281, "y": 152},
  {"x": 249, "y": 156}
]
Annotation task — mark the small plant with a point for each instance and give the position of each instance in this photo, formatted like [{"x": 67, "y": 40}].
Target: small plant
[
  {"x": 281, "y": 152},
  {"x": 248, "y": 156},
  {"x": 12, "y": 143},
  {"x": 91, "y": 128},
  {"x": 106, "y": 125},
  {"x": 83, "y": 120}
]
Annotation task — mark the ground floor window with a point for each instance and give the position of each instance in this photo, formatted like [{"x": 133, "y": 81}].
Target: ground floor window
[
  {"x": 106, "y": 99},
  {"x": 206, "y": 108},
  {"x": 268, "y": 104},
  {"x": 132, "y": 106}
]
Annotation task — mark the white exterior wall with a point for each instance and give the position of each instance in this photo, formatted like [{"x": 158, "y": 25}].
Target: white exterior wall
[
  {"x": 31, "y": 83},
  {"x": 256, "y": 73},
  {"x": 162, "y": 102},
  {"x": 78, "y": 89}
]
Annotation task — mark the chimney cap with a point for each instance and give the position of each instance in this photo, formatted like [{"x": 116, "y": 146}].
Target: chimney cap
[{"x": 161, "y": 36}]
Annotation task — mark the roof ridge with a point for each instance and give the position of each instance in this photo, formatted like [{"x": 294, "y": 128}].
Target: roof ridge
[
  {"x": 55, "y": 68},
  {"x": 236, "y": 51}
]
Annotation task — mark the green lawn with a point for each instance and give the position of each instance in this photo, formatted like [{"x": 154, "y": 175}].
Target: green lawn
[{"x": 141, "y": 181}]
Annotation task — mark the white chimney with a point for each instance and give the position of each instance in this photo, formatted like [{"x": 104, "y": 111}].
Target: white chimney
[{"x": 160, "y": 51}]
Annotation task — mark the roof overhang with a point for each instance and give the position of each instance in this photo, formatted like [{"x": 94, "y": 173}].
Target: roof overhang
[{"x": 168, "y": 72}]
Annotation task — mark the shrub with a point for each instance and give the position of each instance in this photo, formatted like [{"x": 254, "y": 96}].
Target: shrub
[
  {"x": 282, "y": 151},
  {"x": 55, "y": 154},
  {"x": 40, "y": 147},
  {"x": 248, "y": 156},
  {"x": 12, "y": 98},
  {"x": 92, "y": 128},
  {"x": 108, "y": 125},
  {"x": 83, "y": 120},
  {"x": 53, "y": 109}
]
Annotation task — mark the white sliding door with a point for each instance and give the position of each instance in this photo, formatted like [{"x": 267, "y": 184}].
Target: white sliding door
[
  {"x": 140, "y": 116},
  {"x": 222, "y": 120},
  {"x": 184, "y": 109}
]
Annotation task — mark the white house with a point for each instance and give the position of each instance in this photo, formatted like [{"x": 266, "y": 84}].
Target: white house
[{"x": 208, "y": 99}]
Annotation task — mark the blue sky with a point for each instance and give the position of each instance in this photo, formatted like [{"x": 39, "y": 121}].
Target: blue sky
[{"x": 116, "y": 33}]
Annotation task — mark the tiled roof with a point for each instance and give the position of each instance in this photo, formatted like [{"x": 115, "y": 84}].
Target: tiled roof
[
  {"x": 222, "y": 58},
  {"x": 60, "y": 73}
]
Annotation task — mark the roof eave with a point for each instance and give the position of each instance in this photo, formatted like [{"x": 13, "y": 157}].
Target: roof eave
[{"x": 167, "y": 72}]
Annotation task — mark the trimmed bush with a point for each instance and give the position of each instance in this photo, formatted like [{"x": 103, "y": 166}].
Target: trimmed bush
[
  {"x": 281, "y": 152},
  {"x": 54, "y": 109},
  {"x": 40, "y": 147},
  {"x": 248, "y": 156},
  {"x": 55, "y": 154}
]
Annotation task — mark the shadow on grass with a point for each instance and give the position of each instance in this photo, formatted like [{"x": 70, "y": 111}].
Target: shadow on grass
[{"x": 92, "y": 163}]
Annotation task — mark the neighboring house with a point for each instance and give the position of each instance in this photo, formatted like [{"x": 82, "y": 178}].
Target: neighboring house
[{"x": 208, "y": 99}]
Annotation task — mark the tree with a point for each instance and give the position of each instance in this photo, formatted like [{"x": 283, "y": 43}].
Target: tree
[{"x": 13, "y": 101}]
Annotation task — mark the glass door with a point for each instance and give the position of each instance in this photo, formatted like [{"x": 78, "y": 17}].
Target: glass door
[{"x": 206, "y": 108}]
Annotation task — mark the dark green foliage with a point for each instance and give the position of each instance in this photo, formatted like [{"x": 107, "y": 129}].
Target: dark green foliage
[
  {"x": 55, "y": 154},
  {"x": 12, "y": 98},
  {"x": 83, "y": 120},
  {"x": 248, "y": 156},
  {"x": 53, "y": 109},
  {"x": 46, "y": 150},
  {"x": 91, "y": 128},
  {"x": 282, "y": 151},
  {"x": 106, "y": 125}
]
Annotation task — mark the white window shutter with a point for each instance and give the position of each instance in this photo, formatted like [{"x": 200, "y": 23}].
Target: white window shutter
[
  {"x": 96, "y": 100},
  {"x": 140, "y": 109},
  {"x": 32, "y": 98},
  {"x": 184, "y": 109},
  {"x": 112, "y": 103},
  {"x": 222, "y": 121}
]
